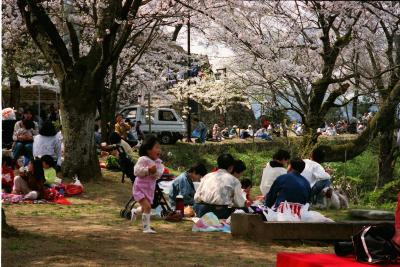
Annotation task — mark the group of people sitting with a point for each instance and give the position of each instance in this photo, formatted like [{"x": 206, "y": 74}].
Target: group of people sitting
[
  {"x": 32, "y": 179},
  {"x": 221, "y": 191},
  {"x": 128, "y": 131},
  {"x": 31, "y": 142}
]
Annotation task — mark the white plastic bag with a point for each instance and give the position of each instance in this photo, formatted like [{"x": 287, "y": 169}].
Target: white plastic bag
[
  {"x": 77, "y": 182},
  {"x": 287, "y": 215},
  {"x": 270, "y": 215},
  {"x": 312, "y": 216}
]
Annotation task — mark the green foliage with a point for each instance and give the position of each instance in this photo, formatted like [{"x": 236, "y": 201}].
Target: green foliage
[
  {"x": 357, "y": 178},
  {"x": 112, "y": 163}
]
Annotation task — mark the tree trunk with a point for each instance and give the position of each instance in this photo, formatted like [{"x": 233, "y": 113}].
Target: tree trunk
[
  {"x": 15, "y": 89},
  {"x": 355, "y": 105},
  {"x": 387, "y": 158},
  {"x": 310, "y": 136},
  {"x": 78, "y": 113}
]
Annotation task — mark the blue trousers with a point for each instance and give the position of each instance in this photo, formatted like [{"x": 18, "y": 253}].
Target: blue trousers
[
  {"x": 317, "y": 188},
  {"x": 24, "y": 149},
  {"x": 203, "y": 135},
  {"x": 222, "y": 212}
]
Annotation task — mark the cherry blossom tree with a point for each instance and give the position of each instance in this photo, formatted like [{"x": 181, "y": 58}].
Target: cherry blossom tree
[
  {"x": 379, "y": 72},
  {"x": 81, "y": 40}
]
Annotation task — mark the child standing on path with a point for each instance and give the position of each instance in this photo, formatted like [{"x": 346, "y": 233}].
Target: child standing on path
[{"x": 147, "y": 170}]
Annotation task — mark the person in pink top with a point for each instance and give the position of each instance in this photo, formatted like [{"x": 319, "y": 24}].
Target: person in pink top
[{"x": 147, "y": 170}]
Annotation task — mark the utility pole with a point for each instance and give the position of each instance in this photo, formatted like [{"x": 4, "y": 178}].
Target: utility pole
[
  {"x": 189, "y": 117},
  {"x": 149, "y": 109}
]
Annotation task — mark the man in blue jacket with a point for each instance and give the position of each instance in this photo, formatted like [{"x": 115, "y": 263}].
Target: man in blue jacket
[
  {"x": 183, "y": 184},
  {"x": 290, "y": 187}
]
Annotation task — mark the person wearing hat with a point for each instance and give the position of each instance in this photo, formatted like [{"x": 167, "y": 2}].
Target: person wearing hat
[{"x": 232, "y": 132}]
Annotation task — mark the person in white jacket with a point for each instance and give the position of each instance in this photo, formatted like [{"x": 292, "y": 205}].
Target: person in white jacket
[
  {"x": 274, "y": 168},
  {"x": 47, "y": 143},
  {"x": 316, "y": 174}
]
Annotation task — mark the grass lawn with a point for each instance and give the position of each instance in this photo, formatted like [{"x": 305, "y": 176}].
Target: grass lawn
[{"x": 91, "y": 233}]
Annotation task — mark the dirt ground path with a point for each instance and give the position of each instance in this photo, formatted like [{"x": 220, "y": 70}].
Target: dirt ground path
[{"x": 91, "y": 233}]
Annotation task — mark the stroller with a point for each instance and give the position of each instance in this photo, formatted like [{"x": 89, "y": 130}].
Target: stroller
[
  {"x": 125, "y": 164},
  {"x": 159, "y": 199}
]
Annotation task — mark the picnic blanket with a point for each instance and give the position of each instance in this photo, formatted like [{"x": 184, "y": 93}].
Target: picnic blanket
[
  {"x": 210, "y": 223},
  {"x": 285, "y": 259},
  {"x": 19, "y": 199}
]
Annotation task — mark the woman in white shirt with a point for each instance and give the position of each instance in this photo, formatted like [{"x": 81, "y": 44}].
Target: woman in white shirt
[
  {"x": 47, "y": 143},
  {"x": 274, "y": 168},
  {"x": 316, "y": 174}
]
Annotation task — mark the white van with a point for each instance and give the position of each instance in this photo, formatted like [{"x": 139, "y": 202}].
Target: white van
[{"x": 165, "y": 122}]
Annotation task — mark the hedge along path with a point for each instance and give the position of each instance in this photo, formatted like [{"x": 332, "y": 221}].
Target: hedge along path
[{"x": 91, "y": 233}]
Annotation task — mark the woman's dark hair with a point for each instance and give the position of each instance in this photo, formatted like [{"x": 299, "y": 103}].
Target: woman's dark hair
[
  {"x": 38, "y": 170},
  {"x": 238, "y": 166},
  {"x": 281, "y": 155},
  {"x": 118, "y": 114},
  {"x": 199, "y": 169},
  {"x": 29, "y": 124},
  {"x": 115, "y": 138},
  {"x": 148, "y": 143},
  {"x": 96, "y": 127},
  {"x": 246, "y": 183},
  {"x": 298, "y": 165},
  {"x": 225, "y": 161},
  {"x": 28, "y": 110},
  {"x": 48, "y": 160},
  {"x": 48, "y": 129},
  {"x": 318, "y": 155}
]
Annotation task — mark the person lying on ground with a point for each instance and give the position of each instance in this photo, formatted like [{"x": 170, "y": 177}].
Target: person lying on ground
[
  {"x": 238, "y": 168},
  {"x": 291, "y": 187},
  {"x": 316, "y": 174},
  {"x": 219, "y": 192},
  {"x": 30, "y": 182},
  {"x": 50, "y": 173},
  {"x": 274, "y": 168},
  {"x": 183, "y": 184}
]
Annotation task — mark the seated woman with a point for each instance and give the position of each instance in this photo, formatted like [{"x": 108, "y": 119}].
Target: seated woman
[
  {"x": 47, "y": 142},
  {"x": 183, "y": 184},
  {"x": 30, "y": 181}
]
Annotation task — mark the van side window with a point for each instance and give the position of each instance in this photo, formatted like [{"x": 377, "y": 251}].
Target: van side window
[
  {"x": 166, "y": 115},
  {"x": 130, "y": 115}
]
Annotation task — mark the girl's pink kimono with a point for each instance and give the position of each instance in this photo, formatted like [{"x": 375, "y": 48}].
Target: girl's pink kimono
[{"x": 145, "y": 183}]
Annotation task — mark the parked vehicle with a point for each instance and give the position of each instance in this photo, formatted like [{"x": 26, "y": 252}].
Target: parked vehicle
[{"x": 165, "y": 122}]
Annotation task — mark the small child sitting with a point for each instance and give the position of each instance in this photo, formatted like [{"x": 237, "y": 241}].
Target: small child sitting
[
  {"x": 50, "y": 173},
  {"x": 246, "y": 187},
  {"x": 7, "y": 174}
]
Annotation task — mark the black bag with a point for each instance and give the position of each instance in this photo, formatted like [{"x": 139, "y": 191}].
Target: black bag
[{"x": 373, "y": 244}]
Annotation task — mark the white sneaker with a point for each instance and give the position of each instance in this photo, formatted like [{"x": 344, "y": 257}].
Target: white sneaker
[
  {"x": 149, "y": 231},
  {"x": 133, "y": 214}
]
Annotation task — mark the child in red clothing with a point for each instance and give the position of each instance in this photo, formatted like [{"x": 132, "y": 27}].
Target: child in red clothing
[{"x": 7, "y": 174}]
